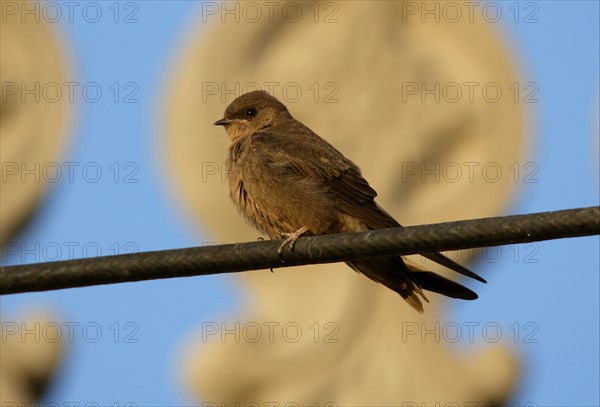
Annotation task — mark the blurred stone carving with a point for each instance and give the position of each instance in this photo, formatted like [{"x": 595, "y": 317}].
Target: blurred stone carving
[
  {"x": 32, "y": 350},
  {"x": 35, "y": 113},
  {"x": 35, "y": 119},
  {"x": 432, "y": 156}
]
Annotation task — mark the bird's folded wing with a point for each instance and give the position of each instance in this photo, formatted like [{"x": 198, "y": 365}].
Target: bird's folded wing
[{"x": 306, "y": 155}]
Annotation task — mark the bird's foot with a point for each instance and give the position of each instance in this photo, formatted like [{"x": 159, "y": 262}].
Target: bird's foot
[{"x": 290, "y": 239}]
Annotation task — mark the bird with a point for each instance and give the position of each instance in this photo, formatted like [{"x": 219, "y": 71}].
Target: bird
[{"x": 289, "y": 182}]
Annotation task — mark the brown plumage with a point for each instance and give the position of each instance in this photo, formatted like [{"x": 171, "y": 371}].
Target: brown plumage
[{"x": 287, "y": 181}]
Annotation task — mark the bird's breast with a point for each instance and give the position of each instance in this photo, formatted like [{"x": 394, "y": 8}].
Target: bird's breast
[
  {"x": 251, "y": 196},
  {"x": 276, "y": 200}
]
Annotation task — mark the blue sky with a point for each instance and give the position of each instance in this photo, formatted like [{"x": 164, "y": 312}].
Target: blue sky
[{"x": 556, "y": 299}]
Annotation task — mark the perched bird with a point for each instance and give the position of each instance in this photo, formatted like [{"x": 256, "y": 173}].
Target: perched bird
[{"x": 288, "y": 182}]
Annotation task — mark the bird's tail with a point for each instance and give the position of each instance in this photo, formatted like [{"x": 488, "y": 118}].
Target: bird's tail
[
  {"x": 430, "y": 281},
  {"x": 409, "y": 280},
  {"x": 393, "y": 273}
]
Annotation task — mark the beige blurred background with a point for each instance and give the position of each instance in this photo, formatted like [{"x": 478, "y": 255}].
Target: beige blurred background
[
  {"x": 378, "y": 80},
  {"x": 372, "y": 66},
  {"x": 34, "y": 131}
]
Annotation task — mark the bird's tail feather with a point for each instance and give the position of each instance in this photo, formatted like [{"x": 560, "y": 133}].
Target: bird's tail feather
[
  {"x": 393, "y": 273},
  {"x": 452, "y": 265},
  {"x": 431, "y": 281},
  {"x": 409, "y": 280}
]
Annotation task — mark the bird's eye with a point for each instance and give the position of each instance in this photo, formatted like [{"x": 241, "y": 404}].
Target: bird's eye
[{"x": 251, "y": 112}]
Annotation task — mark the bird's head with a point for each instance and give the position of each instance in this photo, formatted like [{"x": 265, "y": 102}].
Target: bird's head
[{"x": 252, "y": 112}]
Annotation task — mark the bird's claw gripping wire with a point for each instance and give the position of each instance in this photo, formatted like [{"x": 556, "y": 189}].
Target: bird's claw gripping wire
[{"x": 290, "y": 239}]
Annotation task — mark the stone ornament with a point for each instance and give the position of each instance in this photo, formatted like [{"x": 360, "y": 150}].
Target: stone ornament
[{"x": 381, "y": 85}]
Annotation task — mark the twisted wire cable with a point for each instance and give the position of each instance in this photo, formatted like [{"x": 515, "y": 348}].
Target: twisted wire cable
[{"x": 230, "y": 258}]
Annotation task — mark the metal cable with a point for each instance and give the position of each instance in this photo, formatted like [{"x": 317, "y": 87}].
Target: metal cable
[{"x": 237, "y": 257}]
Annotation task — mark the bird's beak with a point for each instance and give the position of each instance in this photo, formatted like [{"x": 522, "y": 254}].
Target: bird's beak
[{"x": 222, "y": 122}]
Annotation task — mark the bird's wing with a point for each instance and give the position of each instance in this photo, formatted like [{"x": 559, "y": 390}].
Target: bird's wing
[
  {"x": 310, "y": 157},
  {"x": 306, "y": 155},
  {"x": 353, "y": 191}
]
